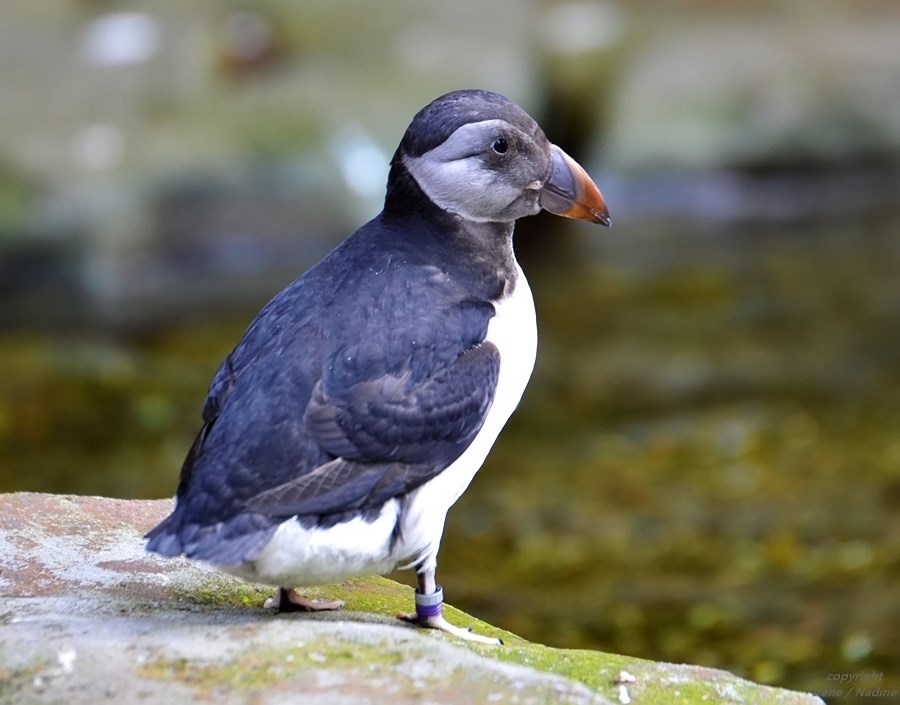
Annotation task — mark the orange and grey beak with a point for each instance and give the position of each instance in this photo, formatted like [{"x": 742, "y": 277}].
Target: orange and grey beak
[{"x": 570, "y": 192}]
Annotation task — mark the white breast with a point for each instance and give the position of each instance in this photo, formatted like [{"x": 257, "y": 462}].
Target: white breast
[{"x": 513, "y": 329}]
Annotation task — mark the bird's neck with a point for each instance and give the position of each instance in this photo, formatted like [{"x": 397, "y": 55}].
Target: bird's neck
[{"x": 484, "y": 247}]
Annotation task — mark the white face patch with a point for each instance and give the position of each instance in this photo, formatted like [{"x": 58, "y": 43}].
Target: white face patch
[{"x": 457, "y": 178}]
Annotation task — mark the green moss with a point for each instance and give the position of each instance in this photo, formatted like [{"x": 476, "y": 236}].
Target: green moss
[
  {"x": 384, "y": 599},
  {"x": 382, "y": 596},
  {"x": 374, "y": 595},
  {"x": 262, "y": 669},
  {"x": 224, "y": 592}
]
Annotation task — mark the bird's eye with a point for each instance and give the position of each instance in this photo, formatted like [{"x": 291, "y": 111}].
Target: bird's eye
[{"x": 500, "y": 145}]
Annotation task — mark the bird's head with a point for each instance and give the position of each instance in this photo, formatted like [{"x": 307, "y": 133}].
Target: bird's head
[{"x": 481, "y": 157}]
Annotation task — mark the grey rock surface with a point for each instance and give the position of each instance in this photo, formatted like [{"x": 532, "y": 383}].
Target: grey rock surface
[{"x": 88, "y": 617}]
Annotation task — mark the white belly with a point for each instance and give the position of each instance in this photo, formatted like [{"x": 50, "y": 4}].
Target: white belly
[
  {"x": 296, "y": 556},
  {"x": 513, "y": 329}
]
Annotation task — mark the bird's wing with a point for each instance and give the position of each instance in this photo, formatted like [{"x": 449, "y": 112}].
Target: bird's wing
[{"x": 389, "y": 435}]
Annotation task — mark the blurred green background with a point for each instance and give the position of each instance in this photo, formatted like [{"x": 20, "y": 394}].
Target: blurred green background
[{"x": 706, "y": 466}]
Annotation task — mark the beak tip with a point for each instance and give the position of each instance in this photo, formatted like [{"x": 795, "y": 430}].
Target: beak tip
[
  {"x": 571, "y": 193},
  {"x": 600, "y": 216}
]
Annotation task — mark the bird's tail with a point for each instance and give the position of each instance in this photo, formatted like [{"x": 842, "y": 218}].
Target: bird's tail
[
  {"x": 230, "y": 541},
  {"x": 164, "y": 541}
]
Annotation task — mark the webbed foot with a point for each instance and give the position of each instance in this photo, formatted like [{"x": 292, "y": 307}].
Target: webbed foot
[
  {"x": 289, "y": 600},
  {"x": 429, "y": 614}
]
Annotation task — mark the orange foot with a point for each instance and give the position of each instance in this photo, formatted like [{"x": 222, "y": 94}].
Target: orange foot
[
  {"x": 289, "y": 600},
  {"x": 438, "y": 622}
]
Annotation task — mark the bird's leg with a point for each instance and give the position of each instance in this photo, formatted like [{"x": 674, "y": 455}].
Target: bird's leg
[
  {"x": 429, "y": 608},
  {"x": 289, "y": 600}
]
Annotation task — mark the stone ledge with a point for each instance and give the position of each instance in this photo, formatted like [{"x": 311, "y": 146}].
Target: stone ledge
[{"x": 88, "y": 617}]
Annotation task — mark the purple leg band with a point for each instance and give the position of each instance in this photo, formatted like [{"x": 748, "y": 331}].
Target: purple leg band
[{"x": 430, "y": 605}]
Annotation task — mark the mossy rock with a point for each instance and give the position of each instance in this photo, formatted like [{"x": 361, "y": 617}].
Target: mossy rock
[{"x": 89, "y": 616}]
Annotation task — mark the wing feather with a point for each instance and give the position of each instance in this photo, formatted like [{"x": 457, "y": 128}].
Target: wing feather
[{"x": 388, "y": 439}]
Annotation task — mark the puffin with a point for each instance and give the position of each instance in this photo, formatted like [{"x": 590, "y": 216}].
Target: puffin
[{"x": 363, "y": 398}]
